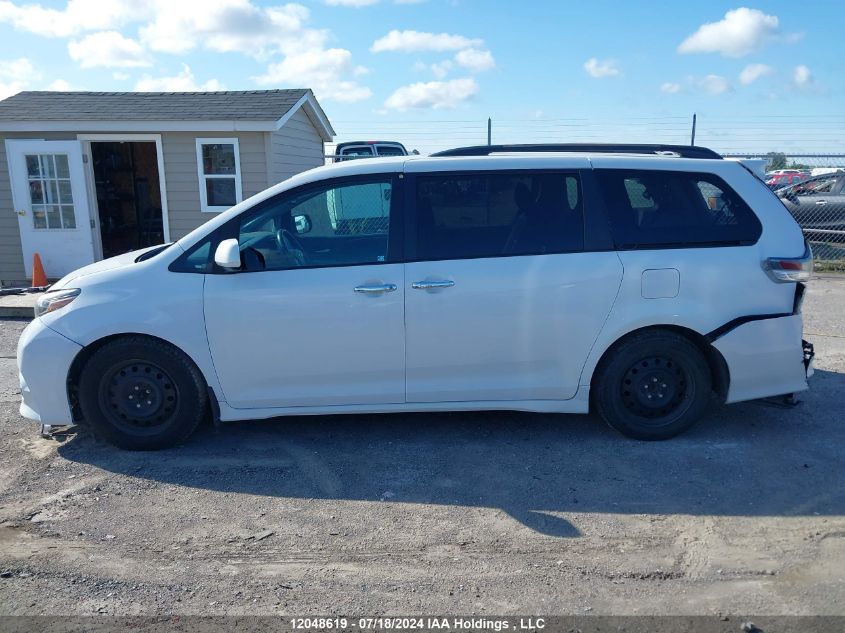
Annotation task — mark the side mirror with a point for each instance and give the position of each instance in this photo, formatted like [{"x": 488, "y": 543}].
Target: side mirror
[
  {"x": 228, "y": 254},
  {"x": 302, "y": 224}
]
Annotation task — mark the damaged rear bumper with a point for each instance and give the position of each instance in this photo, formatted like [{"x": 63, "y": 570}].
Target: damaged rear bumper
[
  {"x": 809, "y": 355},
  {"x": 766, "y": 357}
]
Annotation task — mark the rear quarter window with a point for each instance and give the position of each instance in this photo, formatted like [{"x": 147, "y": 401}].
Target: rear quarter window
[{"x": 668, "y": 209}]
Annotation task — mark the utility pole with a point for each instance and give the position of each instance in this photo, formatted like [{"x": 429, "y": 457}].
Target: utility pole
[
  {"x": 692, "y": 140},
  {"x": 489, "y": 131}
]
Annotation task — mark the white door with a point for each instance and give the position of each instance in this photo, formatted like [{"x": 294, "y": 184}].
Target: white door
[
  {"x": 48, "y": 190},
  {"x": 506, "y": 307},
  {"x": 315, "y": 315}
]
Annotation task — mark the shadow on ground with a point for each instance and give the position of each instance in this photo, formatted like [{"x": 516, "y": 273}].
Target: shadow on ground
[{"x": 748, "y": 459}]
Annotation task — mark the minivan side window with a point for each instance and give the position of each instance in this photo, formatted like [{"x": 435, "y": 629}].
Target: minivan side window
[
  {"x": 669, "y": 209},
  {"x": 498, "y": 214},
  {"x": 341, "y": 224}
]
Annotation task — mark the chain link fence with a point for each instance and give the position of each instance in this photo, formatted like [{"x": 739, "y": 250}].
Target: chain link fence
[{"x": 812, "y": 187}]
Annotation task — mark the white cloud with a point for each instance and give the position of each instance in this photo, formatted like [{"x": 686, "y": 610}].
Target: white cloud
[
  {"x": 433, "y": 94},
  {"x": 59, "y": 85},
  {"x": 321, "y": 70},
  {"x": 15, "y": 75},
  {"x": 740, "y": 32},
  {"x": 120, "y": 76},
  {"x": 802, "y": 77},
  {"x": 279, "y": 31},
  {"x": 472, "y": 59},
  {"x": 714, "y": 84},
  {"x": 9, "y": 89},
  {"x": 475, "y": 60},
  {"x": 228, "y": 26},
  {"x": 753, "y": 72},
  {"x": 366, "y": 3},
  {"x": 240, "y": 26},
  {"x": 182, "y": 82},
  {"x": 441, "y": 69},
  {"x": 410, "y": 41},
  {"x": 598, "y": 69},
  {"x": 18, "y": 70},
  {"x": 77, "y": 17},
  {"x": 109, "y": 49},
  {"x": 177, "y": 26},
  {"x": 670, "y": 87}
]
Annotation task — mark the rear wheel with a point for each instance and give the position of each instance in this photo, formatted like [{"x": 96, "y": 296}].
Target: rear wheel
[
  {"x": 653, "y": 385},
  {"x": 141, "y": 393}
]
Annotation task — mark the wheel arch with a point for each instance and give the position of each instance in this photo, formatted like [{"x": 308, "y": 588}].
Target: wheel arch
[
  {"x": 79, "y": 361},
  {"x": 719, "y": 371}
]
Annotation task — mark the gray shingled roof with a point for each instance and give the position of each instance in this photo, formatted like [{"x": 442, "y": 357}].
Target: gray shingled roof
[{"x": 247, "y": 105}]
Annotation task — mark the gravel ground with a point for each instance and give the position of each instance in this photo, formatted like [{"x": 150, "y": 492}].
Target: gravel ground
[{"x": 490, "y": 513}]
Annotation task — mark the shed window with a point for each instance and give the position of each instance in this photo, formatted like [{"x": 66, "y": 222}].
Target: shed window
[{"x": 219, "y": 168}]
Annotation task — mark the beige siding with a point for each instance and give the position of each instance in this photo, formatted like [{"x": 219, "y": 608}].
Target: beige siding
[
  {"x": 295, "y": 148},
  {"x": 182, "y": 179},
  {"x": 11, "y": 257},
  {"x": 11, "y": 253}
]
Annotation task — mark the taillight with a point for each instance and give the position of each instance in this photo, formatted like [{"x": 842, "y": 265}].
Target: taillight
[{"x": 789, "y": 269}]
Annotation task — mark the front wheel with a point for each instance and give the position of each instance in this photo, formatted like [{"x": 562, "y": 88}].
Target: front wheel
[
  {"x": 653, "y": 385},
  {"x": 140, "y": 393}
]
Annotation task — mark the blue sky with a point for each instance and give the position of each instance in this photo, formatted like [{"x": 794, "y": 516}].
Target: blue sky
[{"x": 430, "y": 72}]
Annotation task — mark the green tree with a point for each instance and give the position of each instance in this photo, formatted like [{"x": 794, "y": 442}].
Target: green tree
[{"x": 777, "y": 160}]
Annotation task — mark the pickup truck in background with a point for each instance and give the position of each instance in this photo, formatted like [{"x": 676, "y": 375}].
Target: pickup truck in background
[{"x": 367, "y": 149}]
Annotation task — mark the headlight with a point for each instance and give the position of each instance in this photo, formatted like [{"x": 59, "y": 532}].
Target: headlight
[{"x": 52, "y": 301}]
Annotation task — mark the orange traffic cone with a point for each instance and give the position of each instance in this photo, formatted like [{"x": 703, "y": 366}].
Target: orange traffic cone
[{"x": 39, "y": 279}]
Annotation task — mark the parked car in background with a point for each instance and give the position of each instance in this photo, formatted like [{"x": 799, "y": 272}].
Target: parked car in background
[
  {"x": 367, "y": 149},
  {"x": 634, "y": 281},
  {"x": 784, "y": 179},
  {"x": 818, "y": 203}
]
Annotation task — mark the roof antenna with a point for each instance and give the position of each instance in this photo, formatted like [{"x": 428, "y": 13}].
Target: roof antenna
[{"x": 692, "y": 140}]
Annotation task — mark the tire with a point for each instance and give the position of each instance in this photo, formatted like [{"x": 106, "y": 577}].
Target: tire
[
  {"x": 653, "y": 385},
  {"x": 141, "y": 394}
]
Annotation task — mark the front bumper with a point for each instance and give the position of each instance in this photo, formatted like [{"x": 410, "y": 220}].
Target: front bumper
[
  {"x": 766, "y": 357},
  {"x": 44, "y": 360}
]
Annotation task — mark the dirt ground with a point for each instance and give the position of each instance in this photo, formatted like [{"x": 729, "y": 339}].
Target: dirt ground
[{"x": 488, "y": 513}]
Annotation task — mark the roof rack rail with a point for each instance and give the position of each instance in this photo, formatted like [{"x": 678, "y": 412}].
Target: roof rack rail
[{"x": 683, "y": 151}]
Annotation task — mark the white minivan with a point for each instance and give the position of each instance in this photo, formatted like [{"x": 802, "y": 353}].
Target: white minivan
[{"x": 640, "y": 282}]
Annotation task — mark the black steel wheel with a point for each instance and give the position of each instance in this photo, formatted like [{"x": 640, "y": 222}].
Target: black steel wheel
[
  {"x": 653, "y": 385},
  {"x": 141, "y": 393},
  {"x": 139, "y": 397}
]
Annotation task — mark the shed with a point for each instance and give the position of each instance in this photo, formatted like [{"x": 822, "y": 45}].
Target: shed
[{"x": 88, "y": 175}]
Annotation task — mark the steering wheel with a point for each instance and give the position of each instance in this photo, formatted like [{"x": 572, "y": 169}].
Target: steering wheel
[{"x": 288, "y": 243}]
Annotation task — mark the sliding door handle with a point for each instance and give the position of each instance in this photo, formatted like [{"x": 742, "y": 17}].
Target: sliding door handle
[
  {"x": 375, "y": 289},
  {"x": 429, "y": 285}
]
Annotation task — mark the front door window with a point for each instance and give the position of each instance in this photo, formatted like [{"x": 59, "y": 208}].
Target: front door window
[
  {"x": 336, "y": 225},
  {"x": 48, "y": 177}
]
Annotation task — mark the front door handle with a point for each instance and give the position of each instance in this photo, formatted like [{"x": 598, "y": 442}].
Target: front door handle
[
  {"x": 429, "y": 285},
  {"x": 821, "y": 201},
  {"x": 375, "y": 289}
]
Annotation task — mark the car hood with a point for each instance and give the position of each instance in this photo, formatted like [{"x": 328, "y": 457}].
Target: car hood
[{"x": 119, "y": 261}]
